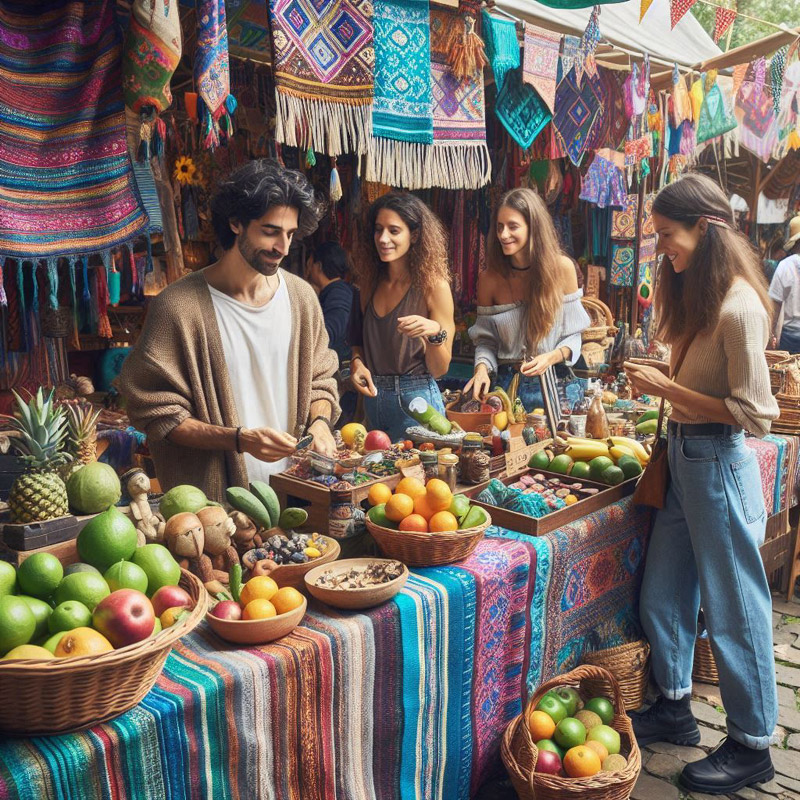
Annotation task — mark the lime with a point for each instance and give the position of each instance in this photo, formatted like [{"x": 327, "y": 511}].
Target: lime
[
  {"x": 85, "y": 587},
  {"x": 126, "y": 575},
  {"x": 475, "y": 517},
  {"x": 106, "y": 539},
  {"x": 40, "y": 574},
  {"x": 598, "y": 466},
  {"x": 377, "y": 514},
  {"x": 159, "y": 566},
  {"x": 613, "y": 476},
  {"x": 79, "y": 566},
  {"x": 581, "y": 470},
  {"x": 17, "y": 623},
  {"x": 539, "y": 460},
  {"x": 459, "y": 506},
  {"x": 41, "y": 611},
  {"x": 603, "y": 707},
  {"x": 51, "y": 643},
  {"x": 8, "y": 578},
  {"x": 630, "y": 466},
  {"x": 561, "y": 464},
  {"x": 69, "y": 615}
]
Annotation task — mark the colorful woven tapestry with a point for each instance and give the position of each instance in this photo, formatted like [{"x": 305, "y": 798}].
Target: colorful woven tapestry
[
  {"x": 521, "y": 110},
  {"x": 623, "y": 222},
  {"x": 604, "y": 182},
  {"x": 502, "y": 47},
  {"x": 758, "y": 128},
  {"x": 324, "y": 60},
  {"x": 715, "y": 119},
  {"x": 588, "y": 45},
  {"x": 622, "y": 258},
  {"x": 402, "y": 111},
  {"x": 576, "y": 111},
  {"x": 248, "y": 29},
  {"x": 459, "y": 157},
  {"x": 570, "y": 48},
  {"x": 66, "y": 184},
  {"x": 540, "y": 62}
]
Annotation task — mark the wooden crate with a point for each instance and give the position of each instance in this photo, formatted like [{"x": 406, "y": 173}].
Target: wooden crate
[
  {"x": 66, "y": 552},
  {"x": 779, "y": 552},
  {"x": 521, "y": 523}
]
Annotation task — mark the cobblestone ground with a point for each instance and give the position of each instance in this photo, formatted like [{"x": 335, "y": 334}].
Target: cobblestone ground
[{"x": 664, "y": 762}]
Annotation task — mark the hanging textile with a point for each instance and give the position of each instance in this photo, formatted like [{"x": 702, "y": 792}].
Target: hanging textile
[
  {"x": 576, "y": 111},
  {"x": 758, "y": 129},
  {"x": 540, "y": 62},
  {"x": 523, "y": 113},
  {"x": 715, "y": 119},
  {"x": 622, "y": 257},
  {"x": 588, "y": 45},
  {"x": 623, "y": 222},
  {"x": 212, "y": 74},
  {"x": 502, "y": 47},
  {"x": 459, "y": 158},
  {"x": 569, "y": 4},
  {"x": 402, "y": 111},
  {"x": 60, "y": 83},
  {"x": 248, "y": 30},
  {"x": 681, "y": 103},
  {"x": 615, "y": 119},
  {"x": 570, "y": 46},
  {"x": 604, "y": 181},
  {"x": 777, "y": 69},
  {"x": 466, "y": 52},
  {"x": 678, "y": 10},
  {"x": 324, "y": 61}
]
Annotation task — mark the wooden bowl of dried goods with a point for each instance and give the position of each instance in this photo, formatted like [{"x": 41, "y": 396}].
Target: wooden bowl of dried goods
[{"x": 357, "y": 582}]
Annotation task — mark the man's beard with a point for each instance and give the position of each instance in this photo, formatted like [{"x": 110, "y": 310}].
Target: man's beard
[{"x": 255, "y": 258}]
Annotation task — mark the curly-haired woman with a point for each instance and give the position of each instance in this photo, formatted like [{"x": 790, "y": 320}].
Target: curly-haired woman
[{"x": 407, "y": 309}]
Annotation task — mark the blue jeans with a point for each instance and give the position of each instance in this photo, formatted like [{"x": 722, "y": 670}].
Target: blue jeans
[
  {"x": 387, "y": 411},
  {"x": 530, "y": 391},
  {"x": 790, "y": 340},
  {"x": 704, "y": 552}
]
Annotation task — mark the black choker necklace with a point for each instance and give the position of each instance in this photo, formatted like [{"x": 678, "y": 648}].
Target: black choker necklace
[{"x": 520, "y": 269}]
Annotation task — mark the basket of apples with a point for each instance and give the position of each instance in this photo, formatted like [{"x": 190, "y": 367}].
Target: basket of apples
[{"x": 568, "y": 743}]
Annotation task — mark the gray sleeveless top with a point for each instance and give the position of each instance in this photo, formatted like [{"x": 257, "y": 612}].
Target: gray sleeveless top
[{"x": 388, "y": 352}]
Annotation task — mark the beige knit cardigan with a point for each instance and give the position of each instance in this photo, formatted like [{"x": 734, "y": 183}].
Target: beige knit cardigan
[{"x": 177, "y": 370}]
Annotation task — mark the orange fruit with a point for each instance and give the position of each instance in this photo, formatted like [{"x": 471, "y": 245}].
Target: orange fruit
[
  {"x": 379, "y": 493},
  {"x": 259, "y": 609},
  {"x": 581, "y": 762},
  {"x": 262, "y": 587},
  {"x": 422, "y": 507},
  {"x": 82, "y": 642},
  {"x": 443, "y": 521},
  {"x": 287, "y": 599},
  {"x": 599, "y": 748},
  {"x": 541, "y": 725},
  {"x": 414, "y": 522},
  {"x": 413, "y": 487},
  {"x": 439, "y": 494},
  {"x": 398, "y": 507}
]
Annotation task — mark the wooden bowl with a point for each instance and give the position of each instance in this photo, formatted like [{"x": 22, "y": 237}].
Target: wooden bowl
[
  {"x": 354, "y": 598},
  {"x": 257, "y": 631},
  {"x": 292, "y": 574},
  {"x": 468, "y": 421}
]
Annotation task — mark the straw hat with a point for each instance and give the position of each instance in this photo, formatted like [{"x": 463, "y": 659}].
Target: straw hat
[{"x": 794, "y": 233}]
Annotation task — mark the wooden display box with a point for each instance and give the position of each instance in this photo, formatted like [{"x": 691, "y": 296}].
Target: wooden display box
[{"x": 522, "y": 523}]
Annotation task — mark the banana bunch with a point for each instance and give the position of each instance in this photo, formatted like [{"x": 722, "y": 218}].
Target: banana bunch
[
  {"x": 579, "y": 449},
  {"x": 638, "y": 449}
]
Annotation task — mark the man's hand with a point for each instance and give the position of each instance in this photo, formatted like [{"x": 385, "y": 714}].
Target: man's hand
[
  {"x": 324, "y": 442},
  {"x": 266, "y": 444}
]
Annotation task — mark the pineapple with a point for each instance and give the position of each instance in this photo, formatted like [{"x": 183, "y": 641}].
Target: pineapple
[
  {"x": 82, "y": 432},
  {"x": 39, "y": 493}
]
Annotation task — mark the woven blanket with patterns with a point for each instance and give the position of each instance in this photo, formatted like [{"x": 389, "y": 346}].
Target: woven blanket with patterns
[
  {"x": 324, "y": 60},
  {"x": 540, "y": 62},
  {"x": 66, "y": 183},
  {"x": 409, "y": 699},
  {"x": 577, "y": 107}
]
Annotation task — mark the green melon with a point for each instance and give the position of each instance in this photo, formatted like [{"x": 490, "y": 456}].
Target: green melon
[
  {"x": 108, "y": 538},
  {"x": 182, "y": 498},
  {"x": 93, "y": 488}
]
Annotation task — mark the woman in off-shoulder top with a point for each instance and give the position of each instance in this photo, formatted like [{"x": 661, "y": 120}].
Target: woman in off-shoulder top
[{"x": 529, "y": 304}]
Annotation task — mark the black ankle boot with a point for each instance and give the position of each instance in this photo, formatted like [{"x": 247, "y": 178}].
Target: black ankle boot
[
  {"x": 666, "y": 721},
  {"x": 728, "y": 768}
]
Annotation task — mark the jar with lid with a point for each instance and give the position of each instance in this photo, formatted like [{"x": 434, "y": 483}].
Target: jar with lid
[
  {"x": 471, "y": 445},
  {"x": 448, "y": 469},
  {"x": 430, "y": 463}
]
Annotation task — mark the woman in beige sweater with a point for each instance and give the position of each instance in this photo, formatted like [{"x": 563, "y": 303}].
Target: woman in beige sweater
[{"x": 714, "y": 310}]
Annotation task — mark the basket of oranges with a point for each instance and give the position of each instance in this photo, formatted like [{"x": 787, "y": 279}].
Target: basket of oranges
[
  {"x": 424, "y": 524},
  {"x": 568, "y": 743}
]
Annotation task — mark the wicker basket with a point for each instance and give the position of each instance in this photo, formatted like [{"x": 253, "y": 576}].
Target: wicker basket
[
  {"x": 519, "y": 751},
  {"x": 629, "y": 664},
  {"x": 70, "y": 694},
  {"x": 705, "y": 668},
  {"x": 427, "y": 549},
  {"x": 57, "y": 323}
]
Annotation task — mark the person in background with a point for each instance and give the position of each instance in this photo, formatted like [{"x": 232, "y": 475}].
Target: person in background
[
  {"x": 784, "y": 291},
  {"x": 402, "y": 332},
  {"x": 529, "y": 304},
  {"x": 233, "y": 361},
  {"x": 714, "y": 310}
]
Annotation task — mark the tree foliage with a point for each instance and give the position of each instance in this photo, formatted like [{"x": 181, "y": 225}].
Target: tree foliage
[{"x": 748, "y": 30}]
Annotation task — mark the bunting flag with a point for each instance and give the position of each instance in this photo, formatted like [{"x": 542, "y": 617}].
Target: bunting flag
[
  {"x": 724, "y": 18},
  {"x": 678, "y": 9},
  {"x": 644, "y": 8},
  {"x": 588, "y": 46}
]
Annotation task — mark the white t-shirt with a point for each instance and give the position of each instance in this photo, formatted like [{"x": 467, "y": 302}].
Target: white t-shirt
[
  {"x": 256, "y": 346},
  {"x": 785, "y": 288}
]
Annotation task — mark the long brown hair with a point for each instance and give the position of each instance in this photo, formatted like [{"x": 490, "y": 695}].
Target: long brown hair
[
  {"x": 689, "y": 302},
  {"x": 427, "y": 262},
  {"x": 544, "y": 254}
]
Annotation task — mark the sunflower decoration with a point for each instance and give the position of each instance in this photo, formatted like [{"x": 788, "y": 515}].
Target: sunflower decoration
[{"x": 185, "y": 171}]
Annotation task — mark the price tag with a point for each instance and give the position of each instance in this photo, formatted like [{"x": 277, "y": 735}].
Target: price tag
[
  {"x": 517, "y": 459},
  {"x": 516, "y": 443}
]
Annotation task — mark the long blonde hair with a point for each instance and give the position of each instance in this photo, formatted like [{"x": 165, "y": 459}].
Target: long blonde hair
[{"x": 543, "y": 253}]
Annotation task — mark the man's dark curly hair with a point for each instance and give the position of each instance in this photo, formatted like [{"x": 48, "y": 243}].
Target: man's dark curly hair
[{"x": 256, "y": 187}]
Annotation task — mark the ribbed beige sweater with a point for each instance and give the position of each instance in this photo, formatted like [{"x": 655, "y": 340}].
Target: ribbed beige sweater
[
  {"x": 177, "y": 370},
  {"x": 728, "y": 362}
]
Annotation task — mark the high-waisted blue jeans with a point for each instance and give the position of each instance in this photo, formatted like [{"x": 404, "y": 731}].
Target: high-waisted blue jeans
[
  {"x": 387, "y": 411},
  {"x": 704, "y": 552}
]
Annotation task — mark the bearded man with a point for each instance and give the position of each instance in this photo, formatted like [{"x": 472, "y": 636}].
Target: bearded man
[{"x": 233, "y": 361}]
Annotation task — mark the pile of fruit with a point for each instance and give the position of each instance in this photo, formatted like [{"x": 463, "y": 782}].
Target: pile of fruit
[
  {"x": 117, "y": 595},
  {"x": 422, "y": 507},
  {"x": 259, "y": 598},
  {"x": 610, "y": 461},
  {"x": 575, "y": 739},
  {"x": 291, "y": 548}
]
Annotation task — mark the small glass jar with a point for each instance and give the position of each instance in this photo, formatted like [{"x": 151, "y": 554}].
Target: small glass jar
[
  {"x": 430, "y": 463},
  {"x": 470, "y": 444},
  {"x": 448, "y": 469}
]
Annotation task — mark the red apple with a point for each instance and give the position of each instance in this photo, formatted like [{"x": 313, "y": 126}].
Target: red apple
[
  {"x": 548, "y": 763},
  {"x": 377, "y": 440},
  {"x": 227, "y": 609},
  {"x": 124, "y": 617},
  {"x": 169, "y": 597}
]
